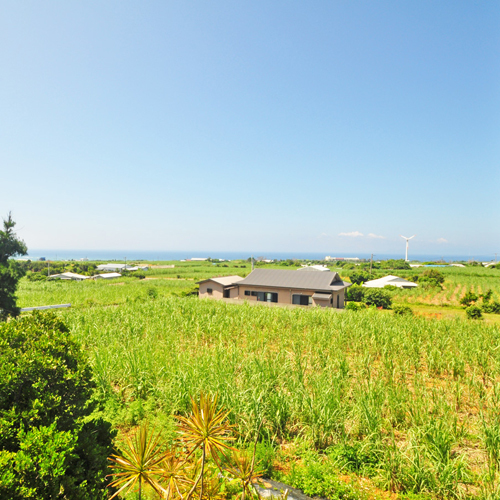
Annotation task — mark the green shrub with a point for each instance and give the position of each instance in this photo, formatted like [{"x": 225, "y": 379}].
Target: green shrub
[
  {"x": 50, "y": 442},
  {"x": 402, "y": 310},
  {"x": 474, "y": 312},
  {"x": 355, "y": 293},
  {"x": 359, "y": 278},
  {"x": 352, "y": 306},
  {"x": 378, "y": 298},
  {"x": 152, "y": 292},
  {"x": 468, "y": 299},
  {"x": 491, "y": 307}
]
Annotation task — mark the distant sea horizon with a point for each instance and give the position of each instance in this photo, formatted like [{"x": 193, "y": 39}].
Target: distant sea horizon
[{"x": 151, "y": 255}]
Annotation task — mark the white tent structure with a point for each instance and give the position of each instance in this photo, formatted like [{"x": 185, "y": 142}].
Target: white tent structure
[
  {"x": 69, "y": 276},
  {"x": 389, "y": 280},
  {"x": 107, "y": 276}
]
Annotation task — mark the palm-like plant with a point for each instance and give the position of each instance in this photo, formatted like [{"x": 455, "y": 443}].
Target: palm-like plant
[
  {"x": 243, "y": 468},
  {"x": 174, "y": 477},
  {"x": 138, "y": 463},
  {"x": 205, "y": 428}
]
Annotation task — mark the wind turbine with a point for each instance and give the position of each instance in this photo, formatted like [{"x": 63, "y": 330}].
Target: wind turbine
[{"x": 407, "y": 240}]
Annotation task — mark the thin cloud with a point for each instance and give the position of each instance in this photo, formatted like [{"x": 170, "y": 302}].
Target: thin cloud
[
  {"x": 353, "y": 234},
  {"x": 378, "y": 236},
  {"x": 442, "y": 240}
]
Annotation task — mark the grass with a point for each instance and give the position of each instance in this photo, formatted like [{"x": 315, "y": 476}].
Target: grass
[{"x": 407, "y": 405}]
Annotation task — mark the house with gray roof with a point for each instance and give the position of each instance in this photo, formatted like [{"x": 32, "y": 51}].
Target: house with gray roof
[{"x": 324, "y": 289}]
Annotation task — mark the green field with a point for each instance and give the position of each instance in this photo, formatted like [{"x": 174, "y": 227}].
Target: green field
[{"x": 385, "y": 403}]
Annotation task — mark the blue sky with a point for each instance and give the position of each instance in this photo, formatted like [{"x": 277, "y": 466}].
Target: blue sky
[{"x": 281, "y": 126}]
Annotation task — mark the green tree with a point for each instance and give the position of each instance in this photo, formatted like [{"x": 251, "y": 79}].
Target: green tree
[
  {"x": 10, "y": 270},
  {"x": 356, "y": 293},
  {"x": 378, "y": 298},
  {"x": 52, "y": 446},
  {"x": 359, "y": 278}
]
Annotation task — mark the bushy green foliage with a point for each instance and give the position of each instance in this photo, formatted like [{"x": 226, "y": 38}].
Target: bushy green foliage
[
  {"x": 355, "y": 306},
  {"x": 431, "y": 278},
  {"x": 469, "y": 298},
  {"x": 394, "y": 264},
  {"x": 10, "y": 271},
  {"x": 377, "y": 297},
  {"x": 491, "y": 307},
  {"x": 49, "y": 440},
  {"x": 402, "y": 310},
  {"x": 474, "y": 312},
  {"x": 318, "y": 477},
  {"x": 359, "y": 278},
  {"x": 355, "y": 293}
]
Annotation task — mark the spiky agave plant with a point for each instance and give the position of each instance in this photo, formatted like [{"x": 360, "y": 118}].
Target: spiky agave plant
[
  {"x": 138, "y": 463},
  {"x": 206, "y": 429}
]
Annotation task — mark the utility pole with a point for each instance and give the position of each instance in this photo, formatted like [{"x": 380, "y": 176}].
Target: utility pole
[
  {"x": 252, "y": 262},
  {"x": 48, "y": 268},
  {"x": 371, "y": 264}
]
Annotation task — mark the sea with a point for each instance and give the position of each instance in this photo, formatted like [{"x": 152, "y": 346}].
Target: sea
[{"x": 163, "y": 255}]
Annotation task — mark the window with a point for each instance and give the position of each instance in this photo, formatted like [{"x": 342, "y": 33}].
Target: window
[
  {"x": 267, "y": 296},
  {"x": 301, "y": 300},
  {"x": 263, "y": 296},
  {"x": 209, "y": 291}
]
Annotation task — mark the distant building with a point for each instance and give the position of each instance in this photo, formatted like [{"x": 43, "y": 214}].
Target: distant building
[
  {"x": 328, "y": 258},
  {"x": 389, "y": 280},
  {"x": 324, "y": 289},
  {"x": 199, "y": 258},
  {"x": 69, "y": 276},
  {"x": 114, "y": 267},
  {"x": 316, "y": 267},
  {"x": 107, "y": 276}
]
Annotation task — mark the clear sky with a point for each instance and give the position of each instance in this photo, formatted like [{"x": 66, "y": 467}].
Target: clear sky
[{"x": 327, "y": 126}]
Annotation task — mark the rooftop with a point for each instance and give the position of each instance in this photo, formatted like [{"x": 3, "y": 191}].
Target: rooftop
[{"x": 290, "y": 279}]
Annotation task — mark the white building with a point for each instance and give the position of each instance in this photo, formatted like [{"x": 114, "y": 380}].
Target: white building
[
  {"x": 69, "y": 276},
  {"x": 114, "y": 267},
  {"x": 389, "y": 280},
  {"x": 316, "y": 267},
  {"x": 107, "y": 276}
]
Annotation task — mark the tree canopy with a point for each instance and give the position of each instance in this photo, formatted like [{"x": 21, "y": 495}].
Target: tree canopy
[
  {"x": 51, "y": 444},
  {"x": 10, "y": 271}
]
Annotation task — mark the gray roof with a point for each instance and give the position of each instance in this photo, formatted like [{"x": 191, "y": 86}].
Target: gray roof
[
  {"x": 224, "y": 280},
  {"x": 278, "y": 278}
]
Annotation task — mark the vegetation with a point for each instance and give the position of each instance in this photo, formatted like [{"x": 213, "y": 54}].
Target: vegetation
[
  {"x": 10, "y": 270},
  {"x": 343, "y": 405},
  {"x": 50, "y": 442}
]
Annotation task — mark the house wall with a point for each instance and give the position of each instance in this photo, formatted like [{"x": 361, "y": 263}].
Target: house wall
[
  {"x": 217, "y": 290},
  {"x": 285, "y": 295}
]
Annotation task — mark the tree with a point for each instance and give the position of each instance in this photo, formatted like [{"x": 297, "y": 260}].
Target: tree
[
  {"x": 10, "y": 271},
  {"x": 50, "y": 440},
  {"x": 378, "y": 298},
  {"x": 356, "y": 293},
  {"x": 359, "y": 278}
]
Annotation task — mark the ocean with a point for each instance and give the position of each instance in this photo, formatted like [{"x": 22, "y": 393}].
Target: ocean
[{"x": 163, "y": 255}]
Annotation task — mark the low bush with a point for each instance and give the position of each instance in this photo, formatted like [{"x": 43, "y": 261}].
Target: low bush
[
  {"x": 491, "y": 307},
  {"x": 355, "y": 306},
  {"x": 355, "y": 293},
  {"x": 378, "y": 298},
  {"x": 474, "y": 312},
  {"x": 468, "y": 299},
  {"x": 402, "y": 310},
  {"x": 359, "y": 278}
]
